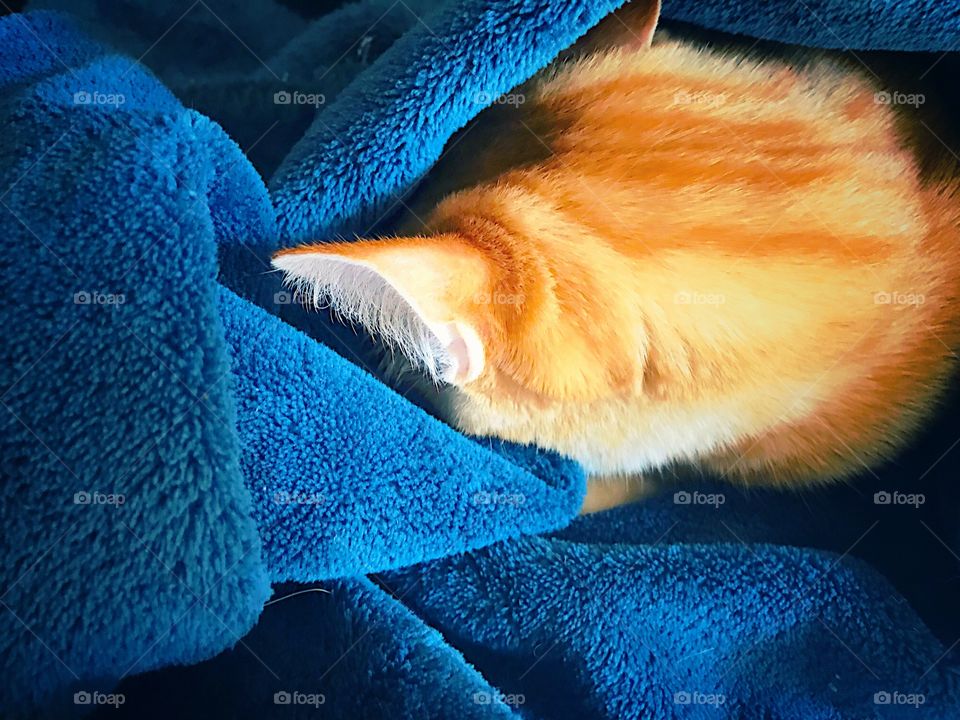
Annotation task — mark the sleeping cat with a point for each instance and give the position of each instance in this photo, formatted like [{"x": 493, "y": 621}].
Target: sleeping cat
[{"x": 666, "y": 255}]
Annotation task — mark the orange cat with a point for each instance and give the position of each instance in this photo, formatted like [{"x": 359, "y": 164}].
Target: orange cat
[{"x": 666, "y": 255}]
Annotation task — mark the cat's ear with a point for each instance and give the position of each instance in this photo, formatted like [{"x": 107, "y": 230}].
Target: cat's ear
[
  {"x": 417, "y": 294},
  {"x": 640, "y": 17},
  {"x": 631, "y": 28}
]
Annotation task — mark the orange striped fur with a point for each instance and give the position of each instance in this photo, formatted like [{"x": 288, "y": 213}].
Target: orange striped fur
[{"x": 666, "y": 255}]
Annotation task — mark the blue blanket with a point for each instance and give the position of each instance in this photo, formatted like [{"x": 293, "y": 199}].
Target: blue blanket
[{"x": 178, "y": 435}]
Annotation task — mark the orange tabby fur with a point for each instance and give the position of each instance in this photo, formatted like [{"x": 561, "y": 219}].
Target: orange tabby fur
[{"x": 668, "y": 255}]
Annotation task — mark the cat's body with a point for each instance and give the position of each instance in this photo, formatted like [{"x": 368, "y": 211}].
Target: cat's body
[{"x": 662, "y": 255}]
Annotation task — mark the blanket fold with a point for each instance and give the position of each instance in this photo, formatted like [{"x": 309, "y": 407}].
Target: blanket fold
[
  {"x": 320, "y": 471},
  {"x": 122, "y": 475},
  {"x": 136, "y": 428}
]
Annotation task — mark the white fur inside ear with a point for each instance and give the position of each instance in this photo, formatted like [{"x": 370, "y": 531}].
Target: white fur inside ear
[{"x": 449, "y": 352}]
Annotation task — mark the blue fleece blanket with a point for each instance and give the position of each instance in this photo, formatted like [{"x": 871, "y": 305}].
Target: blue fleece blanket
[{"x": 178, "y": 435}]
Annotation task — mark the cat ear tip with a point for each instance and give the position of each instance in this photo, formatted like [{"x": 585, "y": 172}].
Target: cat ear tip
[
  {"x": 286, "y": 252},
  {"x": 293, "y": 263},
  {"x": 281, "y": 260},
  {"x": 298, "y": 252}
]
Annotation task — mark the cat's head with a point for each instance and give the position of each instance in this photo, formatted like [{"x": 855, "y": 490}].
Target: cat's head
[
  {"x": 511, "y": 332},
  {"x": 521, "y": 322}
]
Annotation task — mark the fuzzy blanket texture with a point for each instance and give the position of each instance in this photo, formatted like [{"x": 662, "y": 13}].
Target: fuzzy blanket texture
[{"x": 180, "y": 441}]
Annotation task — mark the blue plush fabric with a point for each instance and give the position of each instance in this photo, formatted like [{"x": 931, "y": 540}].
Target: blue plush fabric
[
  {"x": 347, "y": 477},
  {"x": 126, "y": 520},
  {"x": 149, "y": 354},
  {"x": 170, "y": 448},
  {"x": 926, "y": 25}
]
